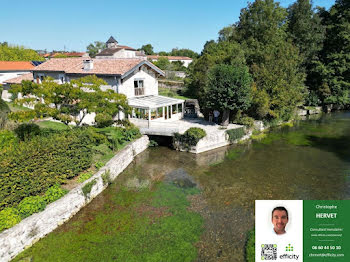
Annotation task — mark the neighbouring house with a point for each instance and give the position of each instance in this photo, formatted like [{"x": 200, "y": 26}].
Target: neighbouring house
[
  {"x": 114, "y": 50},
  {"x": 13, "y": 69},
  {"x": 183, "y": 59},
  {"x": 135, "y": 78}
]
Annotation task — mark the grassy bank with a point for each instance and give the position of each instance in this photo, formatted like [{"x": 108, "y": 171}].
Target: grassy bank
[{"x": 137, "y": 225}]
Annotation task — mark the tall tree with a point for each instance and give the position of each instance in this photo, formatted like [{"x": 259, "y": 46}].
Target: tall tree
[
  {"x": 307, "y": 32},
  {"x": 148, "y": 49},
  {"x": 229, "y": 89},
  {"x": 335, "y": 70},
  {"x": 183, "y": 52},
  {"x": 17, "y": 53},
  {"x": 274, "y": 61},
  {"x": 94, "y": 49},
  {"x": 213, "y": 53}
]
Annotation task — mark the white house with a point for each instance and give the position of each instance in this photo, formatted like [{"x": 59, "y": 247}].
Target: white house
[
  {"x": 10, "y": 70},
  {"x": 136, "y": 78},
  {"x": 114, "y": 50}
]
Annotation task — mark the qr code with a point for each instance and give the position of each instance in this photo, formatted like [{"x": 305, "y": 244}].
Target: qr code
[{"x": 269, "y": 252}]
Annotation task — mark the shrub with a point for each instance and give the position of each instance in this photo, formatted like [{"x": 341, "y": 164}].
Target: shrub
[
  {"x": 235, "y": 134},
  {"x": 30, "y": 205},
  {"x": 98, "y": 165},
  {"x": 32, "y": 167},
  {"x": 27, "y": 131},
  {"x": 250, "y": 246},
  {"x": 106, "y": 178},
  {"x": 247, "y": 121},
  {"x": 84, "y": 176},
  {"x": 190, "y": 137},
  {"x": 8, "y": 218},
  {"x": 86, "y": 189},
  {"x": 53, "y": 193},
  {"x": 4, "y": 110},
  {"x": 103, "y": 120},
  {"x": 152, "y": 143},
  {"x": 7, "y": 139},
  {"x": 117, "y": 136}
]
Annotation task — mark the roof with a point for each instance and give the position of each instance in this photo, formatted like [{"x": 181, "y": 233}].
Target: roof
[
  {"x": 151, "y": 102},
  {"x": 16, "y": 66},
  {"x": 112, "y": 51},
  {"x": 170, "y": 57},
  {"x": 74, "y": 54},
  {"x": 111, "y": 40},
  {"x": 19, "y": 79},
  {"x": 121, "y": 67}
]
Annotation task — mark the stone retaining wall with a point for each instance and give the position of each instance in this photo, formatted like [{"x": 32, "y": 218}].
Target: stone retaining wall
[{"x": 28, "y": 231}]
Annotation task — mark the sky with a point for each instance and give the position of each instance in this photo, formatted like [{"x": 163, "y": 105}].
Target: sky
[{"x": 73, "y": 24}]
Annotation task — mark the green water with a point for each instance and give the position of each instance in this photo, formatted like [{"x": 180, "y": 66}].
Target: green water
[{"x": 172, "y": 206}]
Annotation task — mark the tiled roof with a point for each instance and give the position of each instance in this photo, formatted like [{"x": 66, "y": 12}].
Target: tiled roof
[
  {"x": 112, "y": 51},
  {"x": 100, "y": 66},
  {"x": 19, "y": 79},
  {"x": 15, "y": 65},
  {"x": 108, "y": 52},
  {"x": 74, "y": 54},
  {"x": 169, "y": 57}
]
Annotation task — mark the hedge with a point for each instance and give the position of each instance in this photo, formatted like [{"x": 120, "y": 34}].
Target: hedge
[
  {"x": 234, "y": 134},
  {"x": 190, "y": 138},
  {"x": 31, "y": 167}
]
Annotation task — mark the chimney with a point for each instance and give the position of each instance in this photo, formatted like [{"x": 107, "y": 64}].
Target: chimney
[{"x": 88, "y": 64}]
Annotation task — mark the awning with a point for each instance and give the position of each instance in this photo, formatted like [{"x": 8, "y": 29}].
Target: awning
[{"x": 152, "y": 102}]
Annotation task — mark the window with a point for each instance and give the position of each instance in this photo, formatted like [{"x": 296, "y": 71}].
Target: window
[
  {"x": 138, "y": 87},
  {"x": 138, "y": 83}
]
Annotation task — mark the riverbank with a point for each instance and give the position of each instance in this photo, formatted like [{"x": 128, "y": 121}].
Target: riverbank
[{"x": 30, "y": 230}]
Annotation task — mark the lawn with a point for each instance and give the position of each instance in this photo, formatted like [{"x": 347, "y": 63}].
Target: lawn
[
  {"x": 15, "y": 108},
  {"x": 52, "y": 125},
  {"x": 171, "y": 93}
]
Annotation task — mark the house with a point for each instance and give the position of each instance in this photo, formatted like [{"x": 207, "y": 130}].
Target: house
[
  {"x": 114, "y": 50},
  {"x": 183, "y": 59},
  {"x": 13, "y": 69},
  {"x": 134, "y": 77}
]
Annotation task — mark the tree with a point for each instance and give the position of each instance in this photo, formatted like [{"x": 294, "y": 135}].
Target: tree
[
  {"x": 94, "y": 49},
  {"x": 229, "y": 89},
  {"x": 307, "y": 33},
  {"x": 273, "y": 60},
  {"x": 162, "y": 62},
  {"x": 18, "y": 53},
  {"x": 148, "y": 49},
  {"x": 183, "y": 52},
  {"x": 214, "y": 53},
  {"x": 335, "y": 67},
  {"x": 69, "y": 101}
]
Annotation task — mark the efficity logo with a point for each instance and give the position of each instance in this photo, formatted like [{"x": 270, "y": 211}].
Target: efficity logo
[{"x": 289, "y": 249}]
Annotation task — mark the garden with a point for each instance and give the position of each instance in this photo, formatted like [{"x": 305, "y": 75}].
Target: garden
[{"x": 39, "y": 161}]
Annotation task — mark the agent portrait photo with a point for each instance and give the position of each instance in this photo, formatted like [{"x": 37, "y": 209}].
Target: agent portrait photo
[{"x": 279, "y": 220}]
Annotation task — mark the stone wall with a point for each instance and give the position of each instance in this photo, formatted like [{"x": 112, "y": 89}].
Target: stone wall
[{"x": 28, "y": 231}]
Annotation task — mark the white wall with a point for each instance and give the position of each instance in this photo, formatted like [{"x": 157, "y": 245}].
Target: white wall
[
  {"x": 124, "y": 54},
  {"x": 149, "y": 80}
]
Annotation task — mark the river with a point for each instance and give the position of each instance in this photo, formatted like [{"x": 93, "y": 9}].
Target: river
[{"x": 310, "y": 160}]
